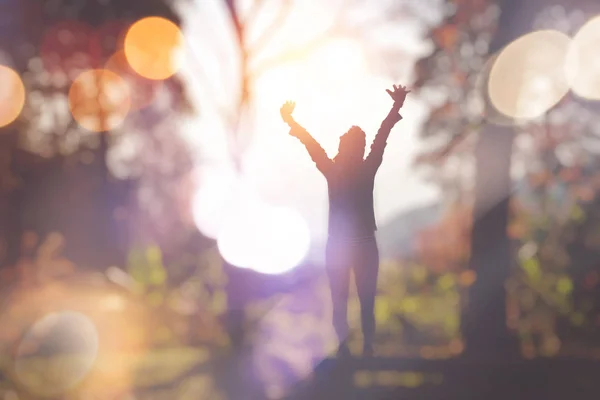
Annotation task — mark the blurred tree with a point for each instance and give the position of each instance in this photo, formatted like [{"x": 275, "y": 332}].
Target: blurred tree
[
  {"x": 450, "y": 76},
  {"x": 63, "y": 177},
  {"x": 444, "y": 246},
  {"x": 448, "y": 80},
  {"x": 107, "y": 190},
  {"x": 150, "y": 162},
  {"x": 455, "y": 77},
  {"x": 265, "y": 40},
  {"x": 554, "y": 209},
  {"x": 463, "y": 124}
]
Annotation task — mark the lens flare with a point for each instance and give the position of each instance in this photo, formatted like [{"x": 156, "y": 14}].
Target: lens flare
[
  {"x": 213, "y": 200},
  {"x": 528, "y": 76},
  {"x": 152, "y": 45},
  {"x": 12, "y": 95},
  {"x": 284, "y": 241},
  {"x": 583, "y": 61},
  {"x": 269, "y": 240},
  {"x": 250, "y": 233},
  {"x": 56, "y": 353},
  {"x": 72, "y": 337},
  {"x": 99, "y": 100},
  {"x": 237, "y": 239}
]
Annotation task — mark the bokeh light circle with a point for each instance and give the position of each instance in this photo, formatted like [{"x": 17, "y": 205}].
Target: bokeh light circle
[
  {"x": 486, "y": 108},
  {"x": 12, "y": 95},
  {"x": 284, "y": 241},
  {"x": 249, "y": 232},
  {"x": 583, "y": 61},
  {"x": 269, "y": 240},
  {"x": 528, "y": 76},
  {"x": 99, "y": 100},
  {"x": 152, "y": 47},
  {"x": 56, "y": 353},
  {"x": 237, "y": 239},
  {"x": 213, "y": 200}
]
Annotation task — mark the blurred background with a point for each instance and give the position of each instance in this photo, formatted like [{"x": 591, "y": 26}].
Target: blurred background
[{"x": 162, "y": 236}]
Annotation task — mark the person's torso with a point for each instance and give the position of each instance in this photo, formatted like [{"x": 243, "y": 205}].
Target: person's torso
[{"x": 351, "y": 211}]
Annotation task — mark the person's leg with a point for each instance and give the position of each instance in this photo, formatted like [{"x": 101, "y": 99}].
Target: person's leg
[
  {"x": 338, "y": 272},
  {"x": 366, "y": 271}
]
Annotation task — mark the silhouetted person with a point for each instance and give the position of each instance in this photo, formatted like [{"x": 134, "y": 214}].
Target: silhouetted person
[{"x": 351, "y": 243}]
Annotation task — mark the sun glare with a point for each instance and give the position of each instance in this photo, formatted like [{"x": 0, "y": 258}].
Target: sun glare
[
  {"x": 325, "y": 86},
  {"x": 12, "y": 95},
  {"x": 335, "y": 65},
  {"x": 339, "y": 61},
  {"x": 152, "y": 47}
]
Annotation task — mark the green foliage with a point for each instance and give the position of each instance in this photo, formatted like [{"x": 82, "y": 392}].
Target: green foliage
[
  {"x": 146, "y": 267},
  {"x": 532, "y": 269},
  {"x": 555, "y": 250}
]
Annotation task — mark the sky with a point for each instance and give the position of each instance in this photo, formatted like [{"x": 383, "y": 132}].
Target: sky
[{"x": 334, "y": 87}]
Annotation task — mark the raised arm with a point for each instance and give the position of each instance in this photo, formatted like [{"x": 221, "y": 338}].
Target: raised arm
[
  {"x": 375, "y": 156},
  {"x": 316, "y": 152}
]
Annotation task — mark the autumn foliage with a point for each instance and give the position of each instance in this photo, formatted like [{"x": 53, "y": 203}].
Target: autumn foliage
[{"x": 445, "y": 246}]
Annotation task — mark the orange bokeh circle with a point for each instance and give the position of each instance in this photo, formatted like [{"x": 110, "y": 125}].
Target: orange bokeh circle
[
  {"x": 12, "y": 95},
  {"x": 99, "y": 100},
  {"x": 151, "y": 47}
]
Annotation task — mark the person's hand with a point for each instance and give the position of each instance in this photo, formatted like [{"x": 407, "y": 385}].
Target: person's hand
[
  {"x": 398, "y": 94},
  {"x": 286, "y": 111}
]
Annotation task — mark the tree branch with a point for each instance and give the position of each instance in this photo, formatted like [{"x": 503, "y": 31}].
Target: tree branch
[
  {"x": 235, "y": 19},
  {"x": 257, "y": 5}
]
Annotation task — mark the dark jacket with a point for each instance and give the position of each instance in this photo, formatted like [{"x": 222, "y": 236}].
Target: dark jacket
[{"x": 351, "y": 211}]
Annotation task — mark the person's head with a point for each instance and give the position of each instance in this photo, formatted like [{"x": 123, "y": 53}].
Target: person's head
[{"x": 352, "y": 145}]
